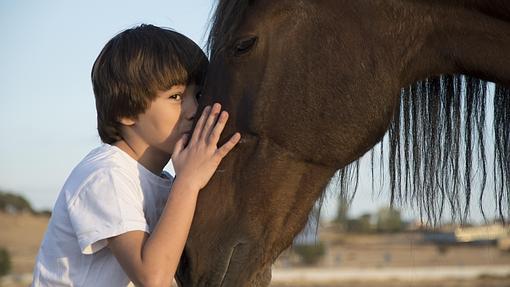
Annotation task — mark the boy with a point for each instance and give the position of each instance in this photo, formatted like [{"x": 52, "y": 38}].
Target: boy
[{"x": 119, "y": 219}]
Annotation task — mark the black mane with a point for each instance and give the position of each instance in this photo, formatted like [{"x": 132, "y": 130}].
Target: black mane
[
  {"x": 226, "y": 19},
  {"x": 438, "y": 150}
]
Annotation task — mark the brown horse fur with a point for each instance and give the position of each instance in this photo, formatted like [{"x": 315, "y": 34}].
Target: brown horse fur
[{"x": 314, "y": 85}]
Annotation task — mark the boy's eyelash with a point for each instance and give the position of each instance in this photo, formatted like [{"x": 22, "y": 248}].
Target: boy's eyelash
[{"x": 175, "y": 96}]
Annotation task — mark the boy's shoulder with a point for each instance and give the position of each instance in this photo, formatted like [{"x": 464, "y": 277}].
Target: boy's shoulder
[
  {"x": 101, "y": 164},
  {"x": 107, "y": 167},
  {"x": 105, "y": 158}
]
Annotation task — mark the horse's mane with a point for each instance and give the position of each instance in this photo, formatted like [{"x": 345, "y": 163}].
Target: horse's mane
[
  {"x": 431, "y": 141},
  {"x": 226, "y": 19},
  {"x": 437, "y": 147}
]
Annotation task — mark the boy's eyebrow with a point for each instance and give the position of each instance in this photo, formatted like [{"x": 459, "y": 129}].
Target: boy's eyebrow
[
  {"x": 177, "y": 87},
  {"x": 172, "y": 90}
]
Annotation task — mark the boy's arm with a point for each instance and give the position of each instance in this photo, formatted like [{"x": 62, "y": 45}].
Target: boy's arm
[{"x": 152, "y": 260}]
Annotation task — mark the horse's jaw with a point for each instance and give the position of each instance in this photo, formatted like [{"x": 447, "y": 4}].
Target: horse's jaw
[
  {"x": 248, "y": 214},
  {"x": 261, "y": 278},
  {"x": 232, "y": 268}
]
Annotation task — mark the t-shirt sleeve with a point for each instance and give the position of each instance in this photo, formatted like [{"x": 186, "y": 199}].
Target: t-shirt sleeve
[{"x": 108, "y": 204}]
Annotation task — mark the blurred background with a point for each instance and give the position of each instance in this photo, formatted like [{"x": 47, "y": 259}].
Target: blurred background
[{"x": 48, "y": 124}]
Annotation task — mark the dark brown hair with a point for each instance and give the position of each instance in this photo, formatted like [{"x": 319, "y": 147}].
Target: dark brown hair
[{"x": 135, "y": 64}]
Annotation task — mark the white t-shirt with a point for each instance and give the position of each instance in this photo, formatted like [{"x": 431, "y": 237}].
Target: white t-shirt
[{"x": 108, "y": 193}]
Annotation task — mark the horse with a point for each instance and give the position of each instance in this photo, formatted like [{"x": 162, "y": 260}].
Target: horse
[{"x": 314, "y": 85}]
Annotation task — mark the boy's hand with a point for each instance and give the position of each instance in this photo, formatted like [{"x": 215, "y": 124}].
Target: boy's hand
[{"x": 195, "y": 163}]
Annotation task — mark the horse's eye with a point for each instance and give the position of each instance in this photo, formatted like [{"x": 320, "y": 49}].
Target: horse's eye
[{"x": 243, "y": 46}]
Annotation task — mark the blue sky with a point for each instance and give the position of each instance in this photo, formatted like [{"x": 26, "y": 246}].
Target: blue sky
[{"x": 47, "y": 112}]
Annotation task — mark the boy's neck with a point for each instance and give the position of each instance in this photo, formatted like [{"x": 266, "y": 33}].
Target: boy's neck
[{"x": 151, "y": 158}]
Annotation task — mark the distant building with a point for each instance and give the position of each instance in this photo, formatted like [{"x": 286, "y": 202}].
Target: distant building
[
  {"x": 487, "y": 234},
  {"x": 440, "y": 237}
]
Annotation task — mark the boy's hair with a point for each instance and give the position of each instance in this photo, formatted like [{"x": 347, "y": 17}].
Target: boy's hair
[{"x": 133, "y": 66}]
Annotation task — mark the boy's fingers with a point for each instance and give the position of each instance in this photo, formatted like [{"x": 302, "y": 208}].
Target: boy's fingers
[
  {"x": 228, "y": 146},
  {"x": 200, "y": 124},
  {"x": 218, "y": 128},
  {"x": 213, "y": 115}
]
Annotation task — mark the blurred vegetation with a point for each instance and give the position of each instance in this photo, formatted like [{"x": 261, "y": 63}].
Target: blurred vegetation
[
  {"x": 10, "y": 202},
  {"x": 5, "y": 262},
  {"x": 310, "y": 254},
  {"x": 389, "y": 220},
  {"x": 14, "y": 203},
  {"x": 362, "y": 224},
  {"x": 342, "y": 216},
  {"x": 386, "y": 220}
]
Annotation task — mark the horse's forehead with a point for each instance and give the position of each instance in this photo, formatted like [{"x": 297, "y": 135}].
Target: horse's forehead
[
  {"x": 277, "y": 10},
  {"x": 238, "y": 18}
]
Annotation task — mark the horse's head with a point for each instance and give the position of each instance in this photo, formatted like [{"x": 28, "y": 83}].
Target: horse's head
[
  {"x": 276, "y": 68},
  {"x": 312, "y": 85}
]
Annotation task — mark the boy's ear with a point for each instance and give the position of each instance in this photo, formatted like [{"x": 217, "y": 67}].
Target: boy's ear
[{"x": 127, "y": 121}]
